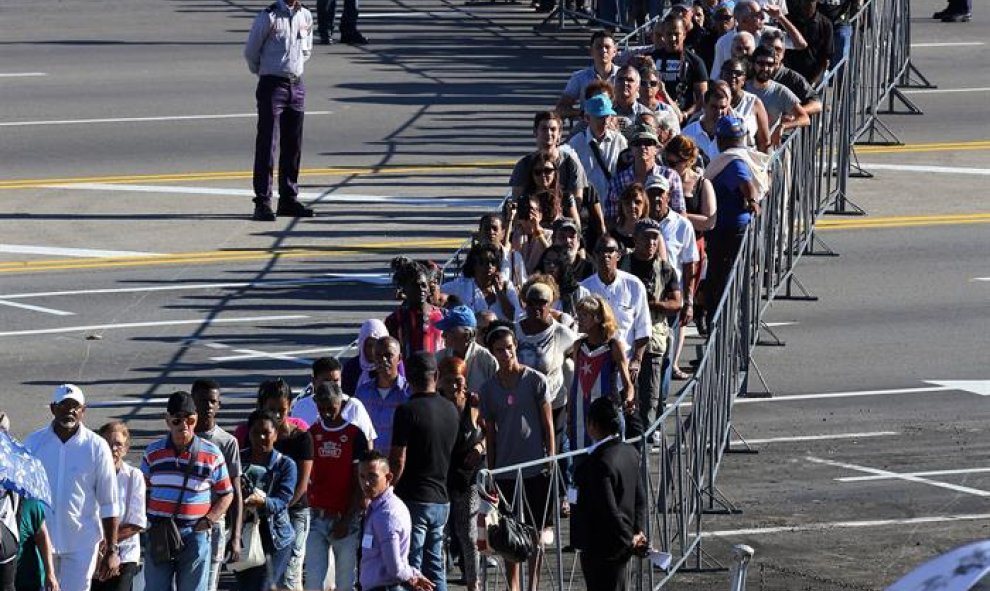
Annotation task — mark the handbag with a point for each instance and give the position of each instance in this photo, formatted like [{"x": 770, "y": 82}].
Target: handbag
[
  {"x": 164, "y": 541},
  {"x": 511, "y": 539},
  {"x": 252, "y": 552}
]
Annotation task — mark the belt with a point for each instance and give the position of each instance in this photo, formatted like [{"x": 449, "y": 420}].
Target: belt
[
  {"x": 324, "y": 514},
  {"x": 290, "y": 78}
]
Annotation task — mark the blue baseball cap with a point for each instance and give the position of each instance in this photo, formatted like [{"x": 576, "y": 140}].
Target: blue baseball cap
[
  {"x": 456, "y": 317},
  {"x": 599, "y": 106},
  {"x": 730, "y": 127}
]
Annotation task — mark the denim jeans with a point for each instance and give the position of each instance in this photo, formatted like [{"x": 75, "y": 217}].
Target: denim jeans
[
  {"x": 292, "y": 579},
  {"x": 218, "y": 547},
  {"x": 842, "y": 41},
  {"x": 426, "y": 540},
  {"x": 190, "y": 571},
  {"x": 321, "y": 542}
]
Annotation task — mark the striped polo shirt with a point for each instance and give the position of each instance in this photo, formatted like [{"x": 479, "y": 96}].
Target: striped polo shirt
[{"x": 164, "y": 473}]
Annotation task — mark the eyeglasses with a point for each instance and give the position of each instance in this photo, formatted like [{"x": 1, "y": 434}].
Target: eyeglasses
[
  {"x": 608, "y": 250},
  {"x": 723, "y": 17},
  {"x": 545, "y": 171},
  {"x": 627, "y": 79},
  {"x": 176, "y": 421},
  {"x": 734, "y": 73},
  {"x": 650, "y": 83},
  {"x": 675, "y": 161}
]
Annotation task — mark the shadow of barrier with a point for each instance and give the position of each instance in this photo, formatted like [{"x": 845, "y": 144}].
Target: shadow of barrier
[{"x": 681, "y": 453}]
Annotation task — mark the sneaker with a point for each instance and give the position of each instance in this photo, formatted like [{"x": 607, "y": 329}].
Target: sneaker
[
  {"x": 263, "y": 213},
  {"x": 956, "y": 17},
  {"x": 938, "y": 15},
  {"x": 326, "y": 40},
  {"x": 294, "y": 209},
  {"x": 354, "y": 38}
]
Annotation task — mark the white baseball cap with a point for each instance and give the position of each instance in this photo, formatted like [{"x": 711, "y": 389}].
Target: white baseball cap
[{"x": 67, "y": 391}]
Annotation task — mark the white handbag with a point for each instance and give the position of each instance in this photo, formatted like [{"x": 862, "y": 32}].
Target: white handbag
[{"x": 252, "y": 552}]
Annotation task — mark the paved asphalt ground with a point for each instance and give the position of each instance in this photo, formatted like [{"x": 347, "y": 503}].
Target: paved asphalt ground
[{"x": 126, "y": 138}]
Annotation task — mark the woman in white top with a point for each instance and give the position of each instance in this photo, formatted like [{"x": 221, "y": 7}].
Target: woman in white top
[
  {"x": 481, "y": 286},
  {"x": 130, "y": 498},
  {"x": 746, "y": 105}
]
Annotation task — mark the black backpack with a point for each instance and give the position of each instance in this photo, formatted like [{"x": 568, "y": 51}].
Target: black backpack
[{"x": 9, "y": 537}]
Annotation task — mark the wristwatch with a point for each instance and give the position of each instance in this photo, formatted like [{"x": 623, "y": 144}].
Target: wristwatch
[{"x": 114, "y": 549}]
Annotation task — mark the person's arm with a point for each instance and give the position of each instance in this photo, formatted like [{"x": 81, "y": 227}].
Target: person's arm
[
  {"x": 283, "y": 493},
  {"x": 639, "y": 349},
  {"x": 700, "y": 88},
  {"x": 43, "y": 541},
  {"x": 568, "y": 98},
  {"x": 134, "y": 520},
  {"x": 397, "y": 460},
  {"x": 546, "y": 419},
  {"x": 256, "y": 39},
  {"x": 763, "y": 140},
  {"x": 812, "y": 107},
  {"x": 302, "y": 482},
  {"x": 670, "y": 302},
  {"x": 490, "y": 431},
  {"x": 106, "y": 495},
  {"x": 750, "y": 196},
  {"x": 799, "y": 117},
  {"x": 797, "y": 39},
  {"x": 393, "y": 558},
  {"x": 628, "y": 387},
  {"x": 705, "y": 220}
]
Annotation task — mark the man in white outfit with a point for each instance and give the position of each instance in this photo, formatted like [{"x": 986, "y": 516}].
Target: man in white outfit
[{"x": 84, "y": 511}]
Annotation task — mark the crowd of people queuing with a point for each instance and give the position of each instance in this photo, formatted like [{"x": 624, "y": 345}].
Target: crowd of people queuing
[{"x": 562, "y": 330}]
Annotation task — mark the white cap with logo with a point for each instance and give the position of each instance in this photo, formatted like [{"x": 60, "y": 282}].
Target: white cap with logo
[{"x": 67, "y": 391}]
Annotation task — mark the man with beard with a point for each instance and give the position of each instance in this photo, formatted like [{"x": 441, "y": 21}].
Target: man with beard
[
  {"x": 781, "y": 104},
  {"x": 83, "y": 515},
  {"x": 796, "y": 83}
]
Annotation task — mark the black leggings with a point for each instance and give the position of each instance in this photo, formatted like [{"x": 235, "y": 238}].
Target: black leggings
[{"x": 8, "y": 572}]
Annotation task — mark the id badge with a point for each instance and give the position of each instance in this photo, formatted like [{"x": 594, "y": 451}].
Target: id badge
[{"x": 366, "y": 541}]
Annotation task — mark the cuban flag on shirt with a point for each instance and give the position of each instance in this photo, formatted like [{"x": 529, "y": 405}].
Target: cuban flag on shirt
[{"x": 594, "y": 377}]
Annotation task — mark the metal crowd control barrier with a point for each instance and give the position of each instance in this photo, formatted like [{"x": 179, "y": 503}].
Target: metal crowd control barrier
[{"x": 809, "y": 177}]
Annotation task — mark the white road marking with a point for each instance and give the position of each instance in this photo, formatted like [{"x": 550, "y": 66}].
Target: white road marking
[
  {"x": 756, "y": 531},
  {"x": 817, "y": 437},
  {"x": 252, "y": 353},
  {"x": 328, "y": 278},
  {"x": 906, "y": 477},
  {"x": 202, "y": 321},
  {"x": 247, "y": 354},
  {"x": 928, "y": 169},
  {"x": 928, "y": 473},
  {"x": 36, "y": 308},
  {"x": 86, "y": 253},
  {"x": 981, "y": 387},
  {"x": 946, "y": 90},
  {"x": 22, "y": 74},
  {"x": 141, "y": 119},
  {"x": 981, "y": 278},
  {"x": 309, "y": 197},
  {"x": 949, "y": 44}
]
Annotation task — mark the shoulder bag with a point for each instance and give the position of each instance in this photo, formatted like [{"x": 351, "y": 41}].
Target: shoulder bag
[{"x": 164, "y": 541}]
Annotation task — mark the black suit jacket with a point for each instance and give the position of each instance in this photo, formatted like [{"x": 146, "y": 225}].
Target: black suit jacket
[{"x": 611, "y": 501}]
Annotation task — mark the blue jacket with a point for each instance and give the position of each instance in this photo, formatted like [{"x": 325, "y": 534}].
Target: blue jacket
[{"x": 279, "y": 483}]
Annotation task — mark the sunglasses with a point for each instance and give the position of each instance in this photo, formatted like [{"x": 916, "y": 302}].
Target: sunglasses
[
  {"x": 546, "y": 171},
  {"x": 176, "y": 421},
  {"x": 650, "y": 83},
  {"x": 734, "y": 73},
  {"x": 627, "y": 79},
  {"x": 607, "y": 251},
  {"x": 675, "y": 161}
]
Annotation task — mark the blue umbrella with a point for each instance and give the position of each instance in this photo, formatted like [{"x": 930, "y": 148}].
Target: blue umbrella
[{"x": 21, "y": 472}]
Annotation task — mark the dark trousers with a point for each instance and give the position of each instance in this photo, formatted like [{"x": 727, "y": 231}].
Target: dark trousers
[
  {"x": 122, "y": 582},
  {"x": 327, "y": 9},
  {"x": 722, "y": 251},
  {"x": 281, "y": 105},
  {"x": 8, "y": 572},
  {"x": 603, "y": 575}
]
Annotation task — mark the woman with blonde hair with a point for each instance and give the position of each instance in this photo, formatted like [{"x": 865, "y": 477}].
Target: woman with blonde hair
[
  {"x": 633, "y": 206},
  {"x": 600, "y": 367},
  {"x": 130, "y": 507}
]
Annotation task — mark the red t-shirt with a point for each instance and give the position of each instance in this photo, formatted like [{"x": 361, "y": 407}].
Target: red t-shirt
[
  {"x": 414, "y": 332},
  {"x": 335, "y": 452}
]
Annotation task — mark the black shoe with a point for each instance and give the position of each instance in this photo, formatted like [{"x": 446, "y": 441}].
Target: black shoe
[
  {"x": 326, "y": 40},
  {"x": 293, "y": 208},
  {"x": 354, "y": 38},
  {"x": 956, "y": 17},
  {"x": 938, "y": 15},
  {"x": 263, "y": 213}
]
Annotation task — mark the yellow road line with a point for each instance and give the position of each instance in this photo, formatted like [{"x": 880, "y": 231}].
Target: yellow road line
[
  {"x": 903, "y": 219},
  {"x": 426, "y": 168},
  {"x": 928, "y": 147},
  {"x": 222, "y": 256},
  {"x": 241, "y": 174}
]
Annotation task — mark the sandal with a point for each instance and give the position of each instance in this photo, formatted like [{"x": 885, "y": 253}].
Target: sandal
[
  {"x": 565, "y": 508},
  {"x": 679, "y": 374}
]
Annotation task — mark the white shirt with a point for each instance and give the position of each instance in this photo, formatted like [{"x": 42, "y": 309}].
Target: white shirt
[
  {"x": 83, "y": 483},
  {"x": 708, "y": 145},
  {"x": 682, "y": 246},
  {"x": 610, "y": 146},
  {"x": 470, "y": 295},
  {"x": 354, "y": 412},
  {"x": 130, "y": 504},
  {"x": 627, "y": 297}
]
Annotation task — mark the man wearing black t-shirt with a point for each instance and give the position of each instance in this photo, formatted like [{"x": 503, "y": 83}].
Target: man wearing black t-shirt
[
  {"x": 812, "y": 61},
  {"x": 430, "y": 421},
  {"x": 683, "y": 73}
]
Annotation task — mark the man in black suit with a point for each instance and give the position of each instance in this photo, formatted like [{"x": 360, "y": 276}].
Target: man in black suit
[{"x": 610, "y": 502}]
